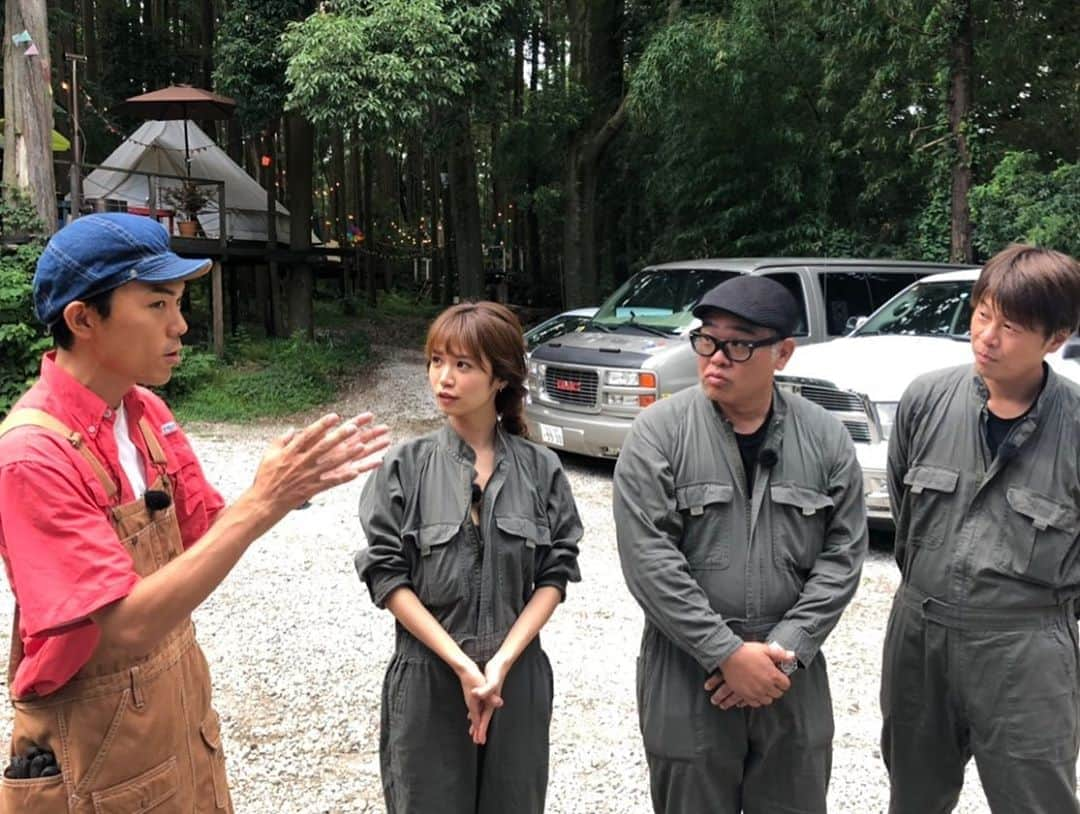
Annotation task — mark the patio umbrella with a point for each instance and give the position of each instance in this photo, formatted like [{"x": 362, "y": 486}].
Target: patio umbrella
[{"x": 179, "y": 102}]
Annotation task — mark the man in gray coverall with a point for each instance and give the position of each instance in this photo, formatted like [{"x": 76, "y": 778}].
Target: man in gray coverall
[
  {"x": 981, "y": 648},
  {"x": 741, "y": 531}
]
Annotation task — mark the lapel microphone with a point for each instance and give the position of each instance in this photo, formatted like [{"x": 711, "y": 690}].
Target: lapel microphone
[
  {"x": 477, "y": 494},
  {"x": 767, "y": 458},
  {"x": 156, "y": 500}
]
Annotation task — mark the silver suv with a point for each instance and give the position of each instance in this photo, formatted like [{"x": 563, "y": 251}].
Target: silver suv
[{"x": 586, "y": 387}]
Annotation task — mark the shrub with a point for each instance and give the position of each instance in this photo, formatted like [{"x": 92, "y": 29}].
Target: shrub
[
  {"x": 263, "y": 378},
  {"x": 22, "y": 339}
]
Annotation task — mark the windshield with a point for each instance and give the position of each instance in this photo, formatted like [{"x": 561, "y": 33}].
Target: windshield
[
  {"x": 925, "y": 309},
  {"x": 658, "y": 300}
]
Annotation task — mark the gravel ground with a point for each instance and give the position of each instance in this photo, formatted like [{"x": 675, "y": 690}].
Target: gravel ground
[{"x": 297, "y": 650}]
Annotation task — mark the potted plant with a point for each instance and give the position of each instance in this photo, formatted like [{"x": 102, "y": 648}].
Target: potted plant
[{"x": 188, "y": 199}]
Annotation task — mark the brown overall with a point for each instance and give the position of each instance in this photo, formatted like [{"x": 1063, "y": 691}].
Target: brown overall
[{"x": 131, "y": 735}]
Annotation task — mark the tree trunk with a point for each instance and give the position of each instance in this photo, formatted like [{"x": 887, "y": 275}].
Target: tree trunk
[
  {"x": 961, "y": 56},
  {"x": 276, "y": 324},
  {"x": 337, "y": 189},
  {"x": 28, "y": 161},
  {"x": 206, "y": 46},
  {"x": 465, "y": 209},
  {"x": 369, "y": 228},
  {"x": 89, "y": 40},
  {"x": 301, "y": 145},
  {"x": 236, "y": 141},
  {"x": 450, "y": 271},
  {"x": 533, "y": 252},
  {"x": 388, "y": 210},
  {"x": 516, "y": 232},
  {"x": 358, "y": 203},
  {"x": 596, "y": 61},
  {"x": 434, "y": 187}
]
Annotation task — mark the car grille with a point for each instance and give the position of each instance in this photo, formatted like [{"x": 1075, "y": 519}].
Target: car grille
[
  {"x": 570, "y": 386},
  {"x": 860, "y": 430},
  {"x": 847, "y": 407},
  {"x": 831, "y": 399}
]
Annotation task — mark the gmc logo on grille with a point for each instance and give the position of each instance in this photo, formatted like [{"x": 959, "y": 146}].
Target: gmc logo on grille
[{"x": 567, "y": 386}]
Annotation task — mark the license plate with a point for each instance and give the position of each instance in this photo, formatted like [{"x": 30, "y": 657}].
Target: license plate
[{"x": 551, "y": 435}]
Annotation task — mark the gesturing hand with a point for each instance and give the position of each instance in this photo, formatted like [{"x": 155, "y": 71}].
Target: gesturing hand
[
  {"x": 490, "y": 696},
  {"x": 751, "y": 677},
  {"x": 301, "y": 464}
]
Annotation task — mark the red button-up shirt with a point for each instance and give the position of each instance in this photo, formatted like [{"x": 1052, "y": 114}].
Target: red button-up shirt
[{"x": 63, "y": 558}]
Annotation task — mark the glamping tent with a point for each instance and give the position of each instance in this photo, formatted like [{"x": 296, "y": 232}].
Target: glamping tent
[{"x": 158, "y": 147}]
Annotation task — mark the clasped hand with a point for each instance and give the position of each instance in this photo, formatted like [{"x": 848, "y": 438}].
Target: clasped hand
[
  {"x": 483, "y": 695},
  {"x": 750, "y": 677}
]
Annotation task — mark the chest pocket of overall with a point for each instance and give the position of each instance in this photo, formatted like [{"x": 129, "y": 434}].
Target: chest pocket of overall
[
  {"x": 798, "y": 524},
  {"x": 439, "y": 579},
  {"x": 928, "y": 505},
  {"x": 707, "y": 515},
  {"x": 524, "y": 542},
  {"x": 1039, "y": 534}
]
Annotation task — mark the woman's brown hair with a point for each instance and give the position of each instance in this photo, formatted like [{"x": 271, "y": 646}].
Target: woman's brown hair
[{"x": 487, "y": 331}]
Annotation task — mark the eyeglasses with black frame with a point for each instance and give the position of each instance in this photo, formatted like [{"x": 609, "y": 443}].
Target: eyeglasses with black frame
[{"x": 737, "y": 350}]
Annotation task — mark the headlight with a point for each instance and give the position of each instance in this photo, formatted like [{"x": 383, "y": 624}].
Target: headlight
[
  {"x": 628, "y": 400},
  {"x": 629, "y": 378},
  {"x": 537, "y": 369},
  {"x": 886, "y": 413}
]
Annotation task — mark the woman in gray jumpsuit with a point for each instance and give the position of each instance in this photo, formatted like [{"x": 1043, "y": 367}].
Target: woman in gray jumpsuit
[{"x": 472, "y": 537}]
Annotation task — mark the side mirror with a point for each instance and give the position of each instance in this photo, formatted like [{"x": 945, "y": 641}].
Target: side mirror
[
  {"x": 1071, "y": 349},
  {"x": 854, "y": 322}
]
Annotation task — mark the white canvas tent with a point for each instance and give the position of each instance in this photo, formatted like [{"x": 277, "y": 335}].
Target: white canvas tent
[{"x": 158, "y": 147}]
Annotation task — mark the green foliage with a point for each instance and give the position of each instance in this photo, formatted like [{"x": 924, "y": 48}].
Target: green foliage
[
  {"x": 22, "y": 339},
  {"x": 1023, "y": 201},
  {"x": 248, "y": 62},
  {"x": 733, "y": 148},
  {"x": 263, "y": 378},
  {"x": 385, "y": 65},
  {"x": 402, "y": 304}
]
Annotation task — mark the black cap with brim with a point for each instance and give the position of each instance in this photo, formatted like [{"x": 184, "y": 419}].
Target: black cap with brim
[{"x": 758, "y": 300}]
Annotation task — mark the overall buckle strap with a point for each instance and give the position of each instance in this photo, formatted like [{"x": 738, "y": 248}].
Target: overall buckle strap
[{"x": 30, "y": 417}]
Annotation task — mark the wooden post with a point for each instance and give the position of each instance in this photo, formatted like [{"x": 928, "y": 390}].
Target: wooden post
[
  {"x": 217, "y": 308},
  {"x": 223, "y": 237}
]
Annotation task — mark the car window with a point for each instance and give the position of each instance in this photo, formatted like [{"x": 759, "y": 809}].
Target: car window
[
  {"x": 850, "y": 294},
  {"x": 662, "y": 298},
  {"x": 554, "y": 327},
  {"x": 925, "y": 309},
  {"x": 792, "y": 283}
]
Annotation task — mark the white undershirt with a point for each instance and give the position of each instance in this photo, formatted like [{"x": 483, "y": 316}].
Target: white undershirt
[{"x": 130, "y": 459}]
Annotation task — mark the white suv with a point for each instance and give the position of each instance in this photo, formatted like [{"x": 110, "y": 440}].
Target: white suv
[{"x": 860, "y": 377}]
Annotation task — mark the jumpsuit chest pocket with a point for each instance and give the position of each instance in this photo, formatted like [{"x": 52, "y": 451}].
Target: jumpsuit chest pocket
[
  {"x": 1039, "y": 534},
  {"x": 439, "y": 579},
  {"x": 523, "y": 542},
  {"x": 927, "y": 506},
  {"x": 798, "y": 524},
  {"x": 707, "y": 517}
]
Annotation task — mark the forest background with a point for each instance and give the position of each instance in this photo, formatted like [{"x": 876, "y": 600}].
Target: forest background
[{"x": 574, "y": 141}]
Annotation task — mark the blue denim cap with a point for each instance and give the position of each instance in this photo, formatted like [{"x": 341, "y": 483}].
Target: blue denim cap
[{"x": 100, "y": 252}]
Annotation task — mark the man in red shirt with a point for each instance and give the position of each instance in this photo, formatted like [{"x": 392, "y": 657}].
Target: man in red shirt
[{"x": 111, "y": 535}]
